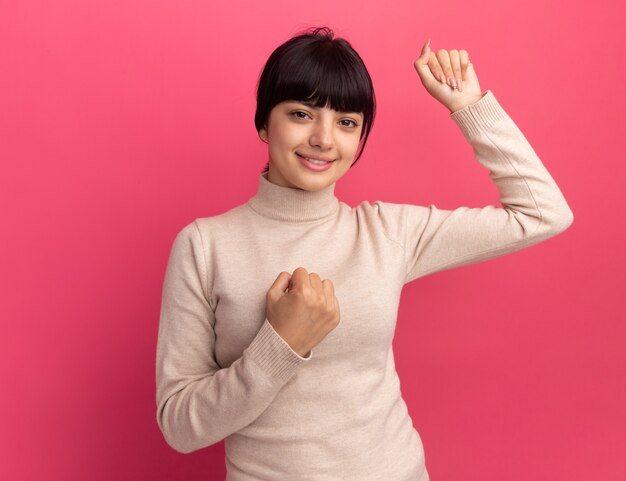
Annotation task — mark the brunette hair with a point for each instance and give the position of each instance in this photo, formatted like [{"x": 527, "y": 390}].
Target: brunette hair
[{"x": 315, "y": 67}]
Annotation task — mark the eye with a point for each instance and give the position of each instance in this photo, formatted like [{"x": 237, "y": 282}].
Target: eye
[
  {"x": 295, "y": 114},
  {"x": 354, "y": 124}
]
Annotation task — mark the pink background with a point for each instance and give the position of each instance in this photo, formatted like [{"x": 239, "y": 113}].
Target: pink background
[{"x": 120, "y": 122}]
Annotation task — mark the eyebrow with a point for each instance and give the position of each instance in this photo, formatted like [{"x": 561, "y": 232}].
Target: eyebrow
[{"x": 312, "y": 106}]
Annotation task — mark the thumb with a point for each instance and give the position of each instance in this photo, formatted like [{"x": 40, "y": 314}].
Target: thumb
[
  {"x": 280, "y": 285},
  {"x": 421, "y": 64}
]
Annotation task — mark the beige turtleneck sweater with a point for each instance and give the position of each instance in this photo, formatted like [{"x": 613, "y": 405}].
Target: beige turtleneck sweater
[{"x": 222, "y": 372}]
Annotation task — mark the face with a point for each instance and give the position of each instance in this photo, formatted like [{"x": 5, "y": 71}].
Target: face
[{"x": 296, "y": 129}]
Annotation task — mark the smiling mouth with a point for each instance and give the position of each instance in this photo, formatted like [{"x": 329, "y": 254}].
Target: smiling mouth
[{"x": 315, "y": 161}]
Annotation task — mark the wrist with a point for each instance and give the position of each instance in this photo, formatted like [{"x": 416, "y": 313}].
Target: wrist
[{"x": 465, "y": 103}]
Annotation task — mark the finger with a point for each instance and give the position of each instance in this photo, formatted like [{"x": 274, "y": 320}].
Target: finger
[
  {"x": 444, "y": 60},
  {"x": 455, "y": 63},
  {"x": 464, "y": 59},
  {"x": 300, "y": 276},
  {"x": 280, "y": 285},
  {"x": 329, "y": 290},
  {"x": 435, "y": 68},
  {"x": 421, "y": 63},
  {"x": 316, "y": 282},
  {"x": 425, "y": 53}
]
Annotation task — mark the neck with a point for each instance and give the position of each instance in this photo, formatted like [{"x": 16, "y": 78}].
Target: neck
[{"x": 291, "y": 204}]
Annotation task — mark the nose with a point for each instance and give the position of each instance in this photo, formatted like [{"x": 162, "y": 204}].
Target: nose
[{"x": 322, "y": 135}]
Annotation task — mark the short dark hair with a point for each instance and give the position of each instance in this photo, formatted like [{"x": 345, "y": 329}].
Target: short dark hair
[{"x": 314, "y": 66}]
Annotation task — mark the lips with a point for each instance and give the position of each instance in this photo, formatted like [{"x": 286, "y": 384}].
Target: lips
[
  {"x": 310, "y": 165},
  {"x": 315, "y": 157}
]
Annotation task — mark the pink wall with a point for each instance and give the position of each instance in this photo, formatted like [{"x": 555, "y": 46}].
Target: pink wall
[{"x": 120, "y": 122}]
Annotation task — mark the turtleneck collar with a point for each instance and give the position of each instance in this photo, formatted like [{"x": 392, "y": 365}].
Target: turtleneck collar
[{"x": 293, "y": 205}]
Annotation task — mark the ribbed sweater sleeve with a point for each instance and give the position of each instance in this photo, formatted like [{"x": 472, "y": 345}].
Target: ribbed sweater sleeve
[
  {"x": 199, "y": 403},
  {"x": 534, "y": 208}
]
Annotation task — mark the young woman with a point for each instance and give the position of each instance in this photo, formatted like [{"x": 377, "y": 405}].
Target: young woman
[{"x": 278, "y": 315}]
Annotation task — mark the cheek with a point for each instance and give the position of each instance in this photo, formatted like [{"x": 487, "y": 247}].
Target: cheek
[
  {"x": 281, "y": 148},
  {"x": 351, "y": 145},
  {"x": 287, "y": 137}
]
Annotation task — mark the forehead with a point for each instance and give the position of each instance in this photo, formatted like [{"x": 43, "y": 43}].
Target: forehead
[{"x": 312, "y": 106}]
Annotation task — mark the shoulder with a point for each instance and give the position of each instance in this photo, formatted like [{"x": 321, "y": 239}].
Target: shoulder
[
  {"x": 221, "y": 223},
  {"x": 392, "y": 218},
  {"x": 389, "y": 213}
]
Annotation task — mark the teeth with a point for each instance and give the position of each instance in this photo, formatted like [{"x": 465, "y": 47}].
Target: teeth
[{"x": 313, "y": 161}]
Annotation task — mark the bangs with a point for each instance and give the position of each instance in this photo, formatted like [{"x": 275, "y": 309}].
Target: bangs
[{"x": 325, "y": 77}]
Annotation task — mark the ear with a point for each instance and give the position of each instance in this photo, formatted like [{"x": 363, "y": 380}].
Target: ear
[{"x": 263, "y": 135}]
